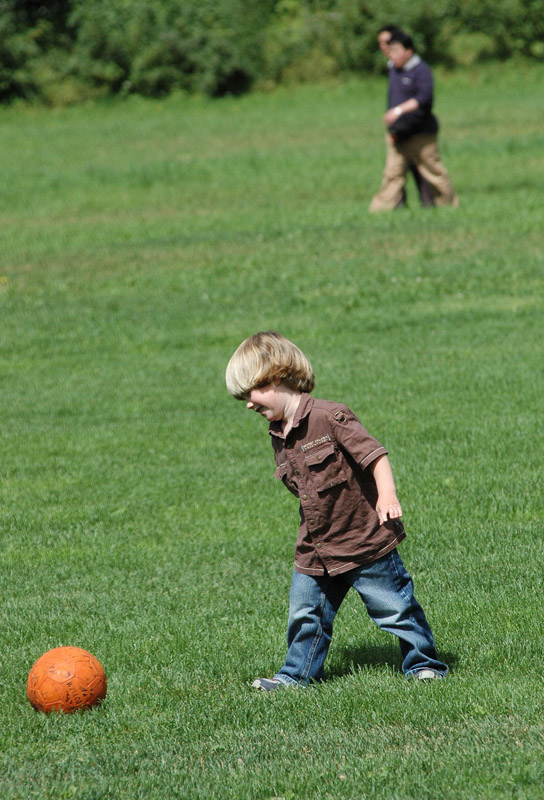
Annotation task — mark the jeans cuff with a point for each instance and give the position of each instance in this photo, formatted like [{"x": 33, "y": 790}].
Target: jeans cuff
[{"x": 286, "y": 679}]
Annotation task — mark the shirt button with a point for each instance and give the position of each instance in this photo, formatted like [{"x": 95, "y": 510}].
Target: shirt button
[
  {"x": 304, "y": 496},
  {"x": 297, "y": 472},
  {"x": 311, "y": 521},
  {"x": 319, "y": 544}
]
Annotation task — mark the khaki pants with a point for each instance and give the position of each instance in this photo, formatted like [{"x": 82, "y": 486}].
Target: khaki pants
[{"x": 420, "y": 151}]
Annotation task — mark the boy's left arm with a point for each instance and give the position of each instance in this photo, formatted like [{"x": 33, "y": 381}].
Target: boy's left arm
[{"x": 387, "y": 506}]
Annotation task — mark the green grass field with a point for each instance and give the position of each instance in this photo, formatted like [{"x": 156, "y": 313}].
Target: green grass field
[{"x": 139, "y": 243}]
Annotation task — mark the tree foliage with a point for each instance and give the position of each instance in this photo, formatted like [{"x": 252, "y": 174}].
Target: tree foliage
[{"x": 63, "y": 50}]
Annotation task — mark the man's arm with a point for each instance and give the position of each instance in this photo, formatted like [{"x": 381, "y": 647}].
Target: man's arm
[{"x": 392, "y": 114}]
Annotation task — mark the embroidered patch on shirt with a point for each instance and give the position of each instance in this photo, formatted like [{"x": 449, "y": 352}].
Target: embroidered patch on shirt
[{"x": 315, "y": 442}]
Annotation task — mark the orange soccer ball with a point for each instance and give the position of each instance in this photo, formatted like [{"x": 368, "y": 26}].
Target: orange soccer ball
[{"x": 65, "y": 679}]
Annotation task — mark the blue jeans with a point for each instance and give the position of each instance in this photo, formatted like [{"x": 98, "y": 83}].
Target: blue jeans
[{"x": 386, "y": 589}]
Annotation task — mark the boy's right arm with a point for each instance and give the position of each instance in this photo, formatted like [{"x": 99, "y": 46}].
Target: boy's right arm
[{"x": 387, "y": 506}]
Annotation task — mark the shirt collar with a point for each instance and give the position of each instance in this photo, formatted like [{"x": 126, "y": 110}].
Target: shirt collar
[
  {"x": 412, "y": 62},
  {"x": 303, "y": 409}
]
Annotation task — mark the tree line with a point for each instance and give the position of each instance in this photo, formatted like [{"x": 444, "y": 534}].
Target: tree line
[{"x": 63, "y": 51}]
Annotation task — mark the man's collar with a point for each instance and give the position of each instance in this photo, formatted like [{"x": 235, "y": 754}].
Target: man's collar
[{"x": 412, "y": 62}]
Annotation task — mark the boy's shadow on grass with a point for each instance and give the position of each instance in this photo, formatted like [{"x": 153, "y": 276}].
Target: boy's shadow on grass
[{"x": 352, "y": 658}]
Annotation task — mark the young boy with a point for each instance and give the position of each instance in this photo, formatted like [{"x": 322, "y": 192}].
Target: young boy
[{"x": 349, "y": 513}]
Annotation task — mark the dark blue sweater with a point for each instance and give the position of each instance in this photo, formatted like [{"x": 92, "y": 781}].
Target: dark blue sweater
[{"x": 415, "y": 79}]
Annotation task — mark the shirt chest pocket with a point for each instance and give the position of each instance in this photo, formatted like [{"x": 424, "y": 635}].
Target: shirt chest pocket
[{"x": 326, "y": 468}]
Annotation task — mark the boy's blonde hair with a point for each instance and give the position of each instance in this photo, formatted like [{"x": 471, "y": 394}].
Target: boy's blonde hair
[{"x": 268, "y": 357}]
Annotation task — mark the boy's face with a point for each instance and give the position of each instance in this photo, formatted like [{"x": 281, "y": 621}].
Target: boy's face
[{"x": 269, "y": 401}]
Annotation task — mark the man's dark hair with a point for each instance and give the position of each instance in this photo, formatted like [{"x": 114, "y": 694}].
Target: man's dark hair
[
  {"x": 402, "y": 38},
  {"x": 389, "y": 29}
]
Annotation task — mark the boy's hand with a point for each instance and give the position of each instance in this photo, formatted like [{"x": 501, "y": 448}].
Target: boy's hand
[
  {"x": 388, "y": 509},
  {"x": 387, "y": 506}
]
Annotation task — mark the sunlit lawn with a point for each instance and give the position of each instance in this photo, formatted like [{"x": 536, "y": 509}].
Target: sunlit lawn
[{"x": 140, "y": 242}]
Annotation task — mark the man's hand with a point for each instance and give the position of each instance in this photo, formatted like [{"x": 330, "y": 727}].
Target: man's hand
[{"x": 392, "y": 115}]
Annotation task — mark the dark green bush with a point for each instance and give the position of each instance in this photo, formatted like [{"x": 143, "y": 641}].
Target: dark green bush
[
  {"x": 303, "y": 42},
  {"x": 154, "y": 46},
  {"x": 59, "y": 51},
  {"x": 34, "y": 47},
  {"x": 15, "y": 52},
  {"x": 514, "y": 26}
]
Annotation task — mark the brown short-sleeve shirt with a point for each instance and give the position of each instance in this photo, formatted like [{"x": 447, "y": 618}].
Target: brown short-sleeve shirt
[{"x": 323, "y": 460}]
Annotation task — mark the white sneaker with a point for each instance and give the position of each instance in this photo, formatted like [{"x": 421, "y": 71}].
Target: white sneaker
[
  {"x": 267, "y": 684},
  {"x": 425, "y": 675}
]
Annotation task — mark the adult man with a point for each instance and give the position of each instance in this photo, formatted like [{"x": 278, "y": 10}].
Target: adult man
[
  {"x": 412, "y": 129},
  {"x": 425, "y": 190}
]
